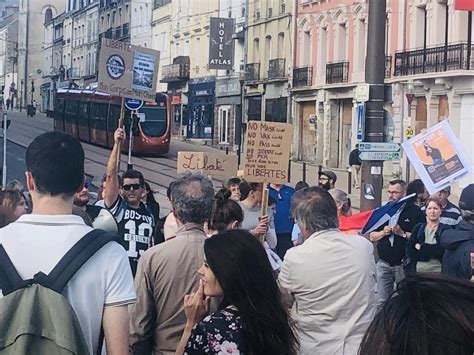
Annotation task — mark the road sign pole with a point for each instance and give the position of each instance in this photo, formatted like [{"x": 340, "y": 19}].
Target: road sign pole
[{"x": 4, "y": 171}]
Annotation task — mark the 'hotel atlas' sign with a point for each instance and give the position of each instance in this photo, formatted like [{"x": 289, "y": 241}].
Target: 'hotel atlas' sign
[{"x": 221, "y": 44}]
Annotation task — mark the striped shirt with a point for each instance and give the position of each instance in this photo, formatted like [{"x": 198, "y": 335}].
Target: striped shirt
[{"x": 451, "y": 214}]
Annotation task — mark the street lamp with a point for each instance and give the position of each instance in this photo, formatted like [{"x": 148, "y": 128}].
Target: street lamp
[{"x": 22, "y": 82}]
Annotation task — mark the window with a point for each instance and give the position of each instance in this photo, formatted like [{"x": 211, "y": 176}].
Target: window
[
  {"x": 276, "y": 109},
  {"x": 254, "y": 109},
  {"x": 281, "y": 45},
  {"x": 256, "y": 50},
  {"x": 48, "y": 15},
  {"x": 223, "y": 128}
]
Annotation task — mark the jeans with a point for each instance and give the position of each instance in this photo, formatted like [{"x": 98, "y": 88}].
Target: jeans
[
  {"x": 387, "y": 277},
  {"x": 284, "y": 243}
]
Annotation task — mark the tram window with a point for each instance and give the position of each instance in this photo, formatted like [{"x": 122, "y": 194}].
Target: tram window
[
  {"x": 114, "y": 116},
  {"x": 98, "y": 116},
  {"x": 58, "y": 111},
  {"x": 71, "y": 110},
  {"x": 83, "y": 113}
]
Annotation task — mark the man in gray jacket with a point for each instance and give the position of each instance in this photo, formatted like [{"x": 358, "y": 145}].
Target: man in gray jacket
[
  {"x": 168, "y": 271},
  {"x": 329, "y": 280}
]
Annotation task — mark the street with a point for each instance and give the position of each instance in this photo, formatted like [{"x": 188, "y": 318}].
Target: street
[{"x": 158, "y": 171}]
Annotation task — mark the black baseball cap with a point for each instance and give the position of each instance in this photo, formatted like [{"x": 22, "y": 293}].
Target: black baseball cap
[
  {"x": 330, "y": 174},
  {"x": 466, "y": 201}
]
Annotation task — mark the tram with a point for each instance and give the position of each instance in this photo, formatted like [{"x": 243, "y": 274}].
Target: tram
[{"x": 92, "y": 117}]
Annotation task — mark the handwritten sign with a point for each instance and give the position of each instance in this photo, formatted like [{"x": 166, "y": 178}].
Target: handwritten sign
[
  {"x": 214, "y": 164},
  {"x": 267, "y": 152}
]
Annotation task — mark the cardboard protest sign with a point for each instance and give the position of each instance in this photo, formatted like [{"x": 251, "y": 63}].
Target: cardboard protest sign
[
  {"x": 213, "y": 164},
  {"x": 437, "y": 156},
  {"x": 128, "y": 71},
  {"x": 267, "y": 151}
]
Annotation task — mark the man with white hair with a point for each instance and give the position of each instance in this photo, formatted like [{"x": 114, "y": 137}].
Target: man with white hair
[{"x": 329, "y": 280}]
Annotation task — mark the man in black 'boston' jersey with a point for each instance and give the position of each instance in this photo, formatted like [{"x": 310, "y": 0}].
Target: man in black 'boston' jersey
[{"x": 123, "y": 199}]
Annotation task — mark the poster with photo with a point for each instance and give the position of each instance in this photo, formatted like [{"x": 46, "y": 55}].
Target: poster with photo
[
  {"x": 143, "y": 70},
  {"x": 437, "y": 156}
]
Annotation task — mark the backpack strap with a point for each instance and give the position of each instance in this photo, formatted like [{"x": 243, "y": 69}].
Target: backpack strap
[
  {"x": 10, "y": 280},
  {"x": 74, "y": 259}
]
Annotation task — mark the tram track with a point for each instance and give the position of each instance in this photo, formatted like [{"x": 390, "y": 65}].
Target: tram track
[{"x": 159, "y": 172}]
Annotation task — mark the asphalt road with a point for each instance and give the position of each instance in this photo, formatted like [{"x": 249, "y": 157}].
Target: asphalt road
[{"x": 15, "y": 161}]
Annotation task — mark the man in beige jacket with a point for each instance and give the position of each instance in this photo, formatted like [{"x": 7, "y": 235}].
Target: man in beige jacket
[
  {"x": 168, "y": 271},
  {"x": 329, "y": 281}
]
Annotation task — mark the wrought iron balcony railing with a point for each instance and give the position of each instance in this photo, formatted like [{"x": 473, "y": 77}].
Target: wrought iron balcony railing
[
  {"x": 302, "y": 76},
  {"x": 276, "y": 69},
  {"x": 252, "y": 72},
  {"x": 73, "y": 73},
  {"x": 175, "y": 72},
  {"x": 337, "y": 72},
  {"x": 388, "y": 66},
  {"x": 433, "y": 60}
]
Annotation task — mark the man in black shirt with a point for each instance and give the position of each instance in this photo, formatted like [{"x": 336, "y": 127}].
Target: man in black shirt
[
  {"x": 355, "y": 163},
  {"x": 392, "y": 239},
  {"x": 123, "y": 198}
]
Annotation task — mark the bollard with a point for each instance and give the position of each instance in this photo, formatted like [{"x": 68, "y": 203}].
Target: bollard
[
  {"x": 289, "y": 171},
  {"x": 349, "y": 183},
  {"x": 304, "y": 171},
  {"x": 226, "y": 150},
  {"x": 320, "y": 168}
]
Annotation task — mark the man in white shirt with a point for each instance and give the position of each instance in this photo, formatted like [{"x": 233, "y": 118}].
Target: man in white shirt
[
  {"x": 102, "y": 289},
  {"x": 329, "y": 281}
]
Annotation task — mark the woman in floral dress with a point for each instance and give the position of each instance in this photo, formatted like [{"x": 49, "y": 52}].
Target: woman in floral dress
[{"x": 251, "y": 318}]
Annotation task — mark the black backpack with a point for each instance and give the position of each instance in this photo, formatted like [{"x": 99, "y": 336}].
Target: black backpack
[{"x": 35, "y": 318}]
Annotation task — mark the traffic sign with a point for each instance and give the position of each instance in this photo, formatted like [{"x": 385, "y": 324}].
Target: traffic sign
[
  {"x": 362, "y": 92},
  {"x": 133, "y": 104},
  {"x": 379, "y": 147},
  {"x": 409, "y": 132},
  {"x": 379, "y": 155}
]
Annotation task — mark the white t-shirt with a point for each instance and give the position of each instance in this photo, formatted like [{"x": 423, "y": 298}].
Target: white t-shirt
[{"x": 37, "y": 242}]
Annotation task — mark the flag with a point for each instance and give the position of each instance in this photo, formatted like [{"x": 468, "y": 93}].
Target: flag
[
  {"x": 354, "y": 223},
  {"x": 383, "y": 214}
]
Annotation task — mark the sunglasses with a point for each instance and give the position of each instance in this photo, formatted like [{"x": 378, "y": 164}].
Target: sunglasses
[{"x": 131, "y": 186}]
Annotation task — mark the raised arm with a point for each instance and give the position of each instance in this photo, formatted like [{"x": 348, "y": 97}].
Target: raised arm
[{"x": 112, "y": 185}]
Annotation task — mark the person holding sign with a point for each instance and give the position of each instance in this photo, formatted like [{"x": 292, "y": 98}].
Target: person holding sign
[
  {"x": 259, "y": 226},
  {"x": 123, "y": 198}
]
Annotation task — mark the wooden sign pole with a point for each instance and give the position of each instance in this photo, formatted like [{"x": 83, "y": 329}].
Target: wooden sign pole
[
  {"x": 264, "y": 206},
  {"x": 120, "y": 124}
]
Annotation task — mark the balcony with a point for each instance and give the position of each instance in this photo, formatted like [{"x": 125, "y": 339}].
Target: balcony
[
  {"x": 388, "y": 66},
  {"x": 276, "y": 69},
  {"x": 337, "y": 72},
  {"x": 252, "y": 72},
  {"x": 303, "y": 76},
  {"x": 433, "y": 60},
  {"x": 125, "y": 30},
  {"x": 175, "y": 72},
  {"x": 73, "y": 73},
  {"x": 118, "y": 32}
]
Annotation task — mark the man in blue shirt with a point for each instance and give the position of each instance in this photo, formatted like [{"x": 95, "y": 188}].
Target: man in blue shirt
[{"x": 283, "y": 221}]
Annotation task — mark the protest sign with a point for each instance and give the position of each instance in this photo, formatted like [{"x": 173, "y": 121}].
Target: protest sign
[
  {"x": 213, "y": 164},
  {"x": 267, "y": 152},
  {"x": 437, "y": 156},
  {"x": 128, "y": 71}
]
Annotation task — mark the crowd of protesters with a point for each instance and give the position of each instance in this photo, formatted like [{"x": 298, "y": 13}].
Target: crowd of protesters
[{"x": 221, "y": 275}]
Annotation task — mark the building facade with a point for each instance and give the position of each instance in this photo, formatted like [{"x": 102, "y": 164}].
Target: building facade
[
  {"x": 9, "y": 59},
  {"x": 32, "y": 16},
  {"x": 269, "y": 59},
  {"x": 229, "y": 83},
  {"x": 193, "y": 100},
  {"x": 432, "y": 62}
]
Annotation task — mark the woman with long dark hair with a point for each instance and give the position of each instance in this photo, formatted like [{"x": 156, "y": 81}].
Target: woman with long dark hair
[
  {"x": 251, "y": 318},
  {"x": 13, "y": 205}
]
